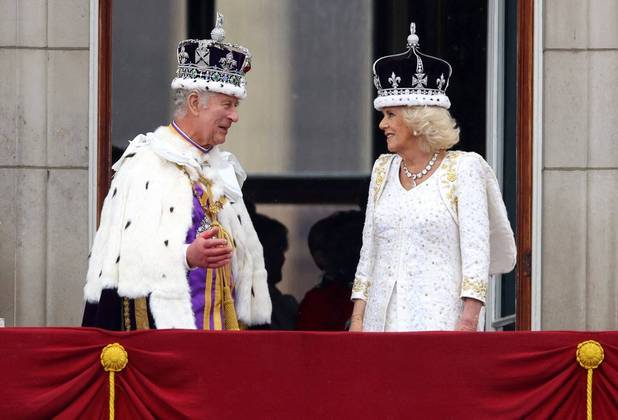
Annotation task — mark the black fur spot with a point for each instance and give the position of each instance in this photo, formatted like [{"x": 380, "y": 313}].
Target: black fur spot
[
  {"x": 166, "y": 242},
  {"x": 163, "y": 276},
  {"x": 118, "y": 259},
  {"x": 89, "y": 254},
  {"x": 130, "y": 155},
  {"x": 100, "y": 273},
  {"x": 147, "y": 182},
  {"x": 239, "y": 219},
  {"x": 115, "y": 191},
  {"x": 171, "y": 209},
  {"x": 128, "y": 224}
]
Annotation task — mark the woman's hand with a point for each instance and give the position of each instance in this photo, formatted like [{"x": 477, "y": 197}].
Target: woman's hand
[
  {"x": 358, "y": 313},
  {"x": 356, "y": 323},
  {"x": 466, "y": 324},
  {"x": 469, "y": 318}
]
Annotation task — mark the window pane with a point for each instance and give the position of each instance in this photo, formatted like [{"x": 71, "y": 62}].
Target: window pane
[
  {"x": 300, "y": 272},
  {"x": 309, "y": 105},
  {"x": 509, "y": 178},
  {"x": 143, "y": 64}
]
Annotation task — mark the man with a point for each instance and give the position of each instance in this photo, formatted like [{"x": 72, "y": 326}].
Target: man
[{"x": 175, "y": 246}]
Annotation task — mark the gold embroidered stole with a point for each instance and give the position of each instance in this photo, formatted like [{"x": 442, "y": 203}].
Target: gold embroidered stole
[{"x": 219, "y": 278}]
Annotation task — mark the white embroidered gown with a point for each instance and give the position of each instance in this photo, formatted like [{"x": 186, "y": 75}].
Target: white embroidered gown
[{"x": 416, "y": 256}]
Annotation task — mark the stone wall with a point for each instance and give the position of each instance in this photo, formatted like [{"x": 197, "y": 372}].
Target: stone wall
[
  {"x": 44, "y": 73},
  {"x": 580, "y": 169}
]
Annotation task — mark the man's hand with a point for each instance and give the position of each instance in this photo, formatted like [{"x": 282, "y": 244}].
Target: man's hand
[{"x": 207, "y": 251}]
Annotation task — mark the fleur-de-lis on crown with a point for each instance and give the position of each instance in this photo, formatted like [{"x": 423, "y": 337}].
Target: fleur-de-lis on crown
[
  {"x": 441, "y": 81},
  {"x": 394, "y": 80},
  {"x": 228, "y": 63}
]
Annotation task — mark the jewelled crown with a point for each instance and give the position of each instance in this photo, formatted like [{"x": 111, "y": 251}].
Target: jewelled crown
[
  {"x": 411, "y": 78},
  {"x": 212, "y": 64}
]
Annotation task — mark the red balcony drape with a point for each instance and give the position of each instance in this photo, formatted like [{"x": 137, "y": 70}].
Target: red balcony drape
[{"x": 56, "y": 372}]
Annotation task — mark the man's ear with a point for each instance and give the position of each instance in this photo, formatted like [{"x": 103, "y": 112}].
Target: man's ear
[{"x": 193, "y": 104}]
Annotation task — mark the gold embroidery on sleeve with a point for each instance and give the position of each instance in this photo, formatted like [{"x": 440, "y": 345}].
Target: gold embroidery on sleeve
[
  {"x": 474, "y": 288},
  {"x": 361, "y": 286}
]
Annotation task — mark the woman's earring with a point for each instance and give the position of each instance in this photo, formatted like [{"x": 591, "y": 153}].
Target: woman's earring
[{"x": 415, "y": 133}]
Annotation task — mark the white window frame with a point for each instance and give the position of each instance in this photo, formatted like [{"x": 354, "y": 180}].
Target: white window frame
[
  {"x": 494, "y": 137},
  {"x": 495, "y": 150}
]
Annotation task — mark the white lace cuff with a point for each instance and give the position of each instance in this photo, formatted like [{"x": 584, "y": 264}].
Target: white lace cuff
[{"x": 360, "y": 289}]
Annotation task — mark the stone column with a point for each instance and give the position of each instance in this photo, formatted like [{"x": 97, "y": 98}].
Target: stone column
[
  {"x": 580, "y": 177},
  {"x": 44, "y": 48}
]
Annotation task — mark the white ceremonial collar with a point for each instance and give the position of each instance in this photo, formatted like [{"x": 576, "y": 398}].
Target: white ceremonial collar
[{"x": 219, "y": 167}]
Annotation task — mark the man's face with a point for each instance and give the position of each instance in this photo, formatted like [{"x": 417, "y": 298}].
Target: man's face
[{"x": 215, "y": 118}]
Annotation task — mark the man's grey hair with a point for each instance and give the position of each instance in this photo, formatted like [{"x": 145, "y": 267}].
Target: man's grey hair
[{"x": 181, "y": 96}]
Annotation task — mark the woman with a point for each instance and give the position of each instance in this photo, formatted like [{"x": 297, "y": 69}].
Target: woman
[{"x": 427, "y": 250}]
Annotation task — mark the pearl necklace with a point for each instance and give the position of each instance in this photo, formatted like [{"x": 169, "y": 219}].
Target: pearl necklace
[{"x": 422, "y": 173}]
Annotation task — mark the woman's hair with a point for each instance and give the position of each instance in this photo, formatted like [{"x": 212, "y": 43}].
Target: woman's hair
[
  {"x": 434, "y": 125},
  {"x": 181, "y": 96}
]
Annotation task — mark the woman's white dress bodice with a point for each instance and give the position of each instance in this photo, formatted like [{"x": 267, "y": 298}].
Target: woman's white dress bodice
[
  {"x": 417, "y": 250},
  {"x": 426, "y": 248}
]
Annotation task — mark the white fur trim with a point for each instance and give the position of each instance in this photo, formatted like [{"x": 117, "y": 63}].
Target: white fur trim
[
  {"x": 211, "y": 86},
  {"x": 171, "y": 311},
  {"x": 152, "y": 246},
  {"x": 261, "y": 305},
  {"x": 411, "y": 100}
]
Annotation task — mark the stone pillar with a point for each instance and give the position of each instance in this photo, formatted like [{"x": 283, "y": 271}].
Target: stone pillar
[
  {"x": 44, "y": 49},
  {"x": 580, "y": 170}
]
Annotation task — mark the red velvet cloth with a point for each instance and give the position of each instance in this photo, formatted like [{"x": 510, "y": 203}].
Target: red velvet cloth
[{"x": 56, "y": 372}]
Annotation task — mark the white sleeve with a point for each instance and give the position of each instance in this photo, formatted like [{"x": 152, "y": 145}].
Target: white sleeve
[
  {"x": 362, "y": 281},
  {"x": 473, "y": 227}
]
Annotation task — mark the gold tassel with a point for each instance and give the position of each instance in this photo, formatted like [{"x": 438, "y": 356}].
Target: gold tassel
[
  {"x": 229, "y": 311},
  {"x": 224, "y": 274},
  {"x": 114, "y": 358},
  {"x": 589, "y": 355}
]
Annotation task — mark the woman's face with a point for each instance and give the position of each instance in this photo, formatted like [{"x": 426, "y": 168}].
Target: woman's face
[{"x": 398, "y": 134}]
